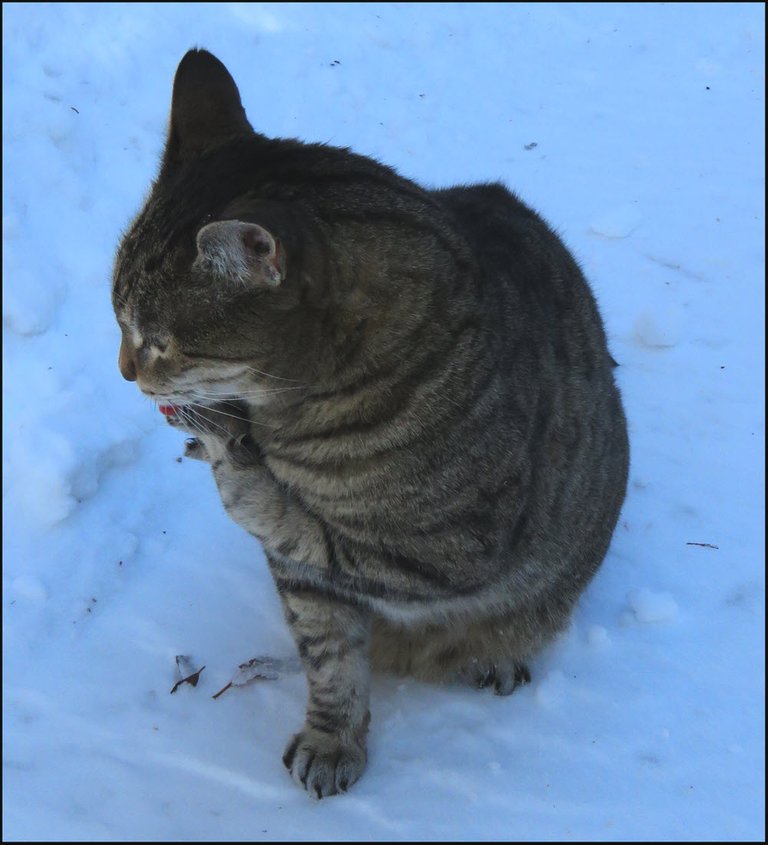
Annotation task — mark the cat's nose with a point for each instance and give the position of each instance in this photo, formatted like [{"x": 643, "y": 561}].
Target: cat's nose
[{"x": 126, "y": 361}]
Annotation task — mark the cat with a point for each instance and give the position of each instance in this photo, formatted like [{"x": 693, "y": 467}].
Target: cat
[{"x": 405, "y": 394}]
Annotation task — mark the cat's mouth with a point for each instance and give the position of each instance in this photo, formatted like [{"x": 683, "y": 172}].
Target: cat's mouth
[{"x": 169, "y": 411}]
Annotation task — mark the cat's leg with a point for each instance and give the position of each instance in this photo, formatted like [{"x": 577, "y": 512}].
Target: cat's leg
[
  {"x": 498, "y": 647},
  {"x": 482, "y": 653},
  {"x": 329, "y": 753}
]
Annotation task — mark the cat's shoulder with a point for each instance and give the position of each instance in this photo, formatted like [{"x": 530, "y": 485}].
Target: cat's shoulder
[
  {"x": 497, "y": 222},
  {"x": 482, "y": 198}
]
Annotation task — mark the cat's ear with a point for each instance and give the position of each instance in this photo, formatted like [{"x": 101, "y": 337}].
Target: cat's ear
[
  {"x": 244, "y": 253},
  {"x": 205, "y": 107}
]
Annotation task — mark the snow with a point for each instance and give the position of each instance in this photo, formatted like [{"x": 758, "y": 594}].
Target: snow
[
  {"x": 637, "y": 130},
  {"x": 649, "y": 606}
]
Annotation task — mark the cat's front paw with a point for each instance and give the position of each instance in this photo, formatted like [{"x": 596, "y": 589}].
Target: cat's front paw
[
  {"x": 322, "y": 763},
  {"x": 195, "y": 448}
]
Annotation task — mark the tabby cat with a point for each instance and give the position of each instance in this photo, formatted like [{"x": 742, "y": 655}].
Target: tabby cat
[{"x": 405, "y": 394}]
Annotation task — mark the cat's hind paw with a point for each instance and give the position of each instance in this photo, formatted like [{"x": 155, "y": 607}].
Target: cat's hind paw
[{"x": 503, "y": 678}]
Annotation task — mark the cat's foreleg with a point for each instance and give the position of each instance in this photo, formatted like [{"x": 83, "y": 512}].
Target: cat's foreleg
[{"x": 329, "y": 753}]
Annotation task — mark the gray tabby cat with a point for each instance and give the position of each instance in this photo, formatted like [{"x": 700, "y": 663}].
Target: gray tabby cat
[{"x": 406, "y": 395}]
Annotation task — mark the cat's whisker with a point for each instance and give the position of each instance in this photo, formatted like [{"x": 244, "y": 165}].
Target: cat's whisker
[
  {"x": 191, "y": 410},
  {"x": 120, "y": 298},
  {"x": 269, "y": 375},
  {"x": 188, "y": 417},
  {"x": 209, "y": 408},
  {"x": 215, "y": 410},
  {"x": 246, "y": 394}
]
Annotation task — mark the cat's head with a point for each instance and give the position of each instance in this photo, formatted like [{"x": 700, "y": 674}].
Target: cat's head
[
  {"x": 203, "y": 286},
  {"x": 259, "y": 264}
]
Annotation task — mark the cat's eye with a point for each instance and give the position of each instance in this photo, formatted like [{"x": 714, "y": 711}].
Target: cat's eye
[{"x": 155, "y": 343}]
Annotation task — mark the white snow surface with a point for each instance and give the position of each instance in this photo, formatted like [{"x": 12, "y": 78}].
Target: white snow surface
[{"x": 645, "y": 721}]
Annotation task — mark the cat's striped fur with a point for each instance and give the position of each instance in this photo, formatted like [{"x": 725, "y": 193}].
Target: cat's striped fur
[{"x": 406, "y": 395}]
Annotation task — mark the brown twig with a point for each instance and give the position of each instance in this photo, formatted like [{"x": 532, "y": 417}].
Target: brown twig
[
  {"x": 222, "y": 690},
  {"x": 704, "y": 545}
]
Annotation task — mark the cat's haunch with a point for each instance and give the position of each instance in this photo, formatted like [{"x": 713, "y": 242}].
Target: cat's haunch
[{"x": 406, "y": 395}]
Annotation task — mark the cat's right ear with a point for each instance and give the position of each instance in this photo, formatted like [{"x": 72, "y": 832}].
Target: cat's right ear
[
  {"x": 242, "y": 253},
  {"x": 205, "y": 108}
]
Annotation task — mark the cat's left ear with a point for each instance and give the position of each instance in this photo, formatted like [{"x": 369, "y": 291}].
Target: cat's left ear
[
  {"x": 242, "y": 253},
  {"x": 205, "y": 107}
]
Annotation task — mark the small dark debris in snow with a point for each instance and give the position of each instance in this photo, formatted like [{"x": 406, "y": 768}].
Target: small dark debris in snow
[
  {"x": 703, "y": 545},
  {"x": 530, "y": 146},
  {"x": 165, "y": 532},
  {"x": 707, "y": 90},
  {"x": 119, "y": 563},
  {"x": 335, "y": 62},
  {"x": 74, "y": 110},
  {"x": 178, "y": 460},
  {"x": 422, "y": 95}
]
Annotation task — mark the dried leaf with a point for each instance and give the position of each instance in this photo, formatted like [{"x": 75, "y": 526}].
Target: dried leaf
[
  {"x": 260, "y": 669},
  {"x": 184, "y": 667}
]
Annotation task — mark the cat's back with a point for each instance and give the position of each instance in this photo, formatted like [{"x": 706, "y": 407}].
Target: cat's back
[
  {"x": 539, "y": 310},
  {"x": 545, "y": 336},
  {"x": 517, "y": 249}
]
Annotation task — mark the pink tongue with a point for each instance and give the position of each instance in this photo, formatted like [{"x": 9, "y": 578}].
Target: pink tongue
[{"x": 168, "y": 410}]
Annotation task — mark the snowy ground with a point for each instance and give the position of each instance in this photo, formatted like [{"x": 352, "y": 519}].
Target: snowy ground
[{"x": 637, "y": 130}]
